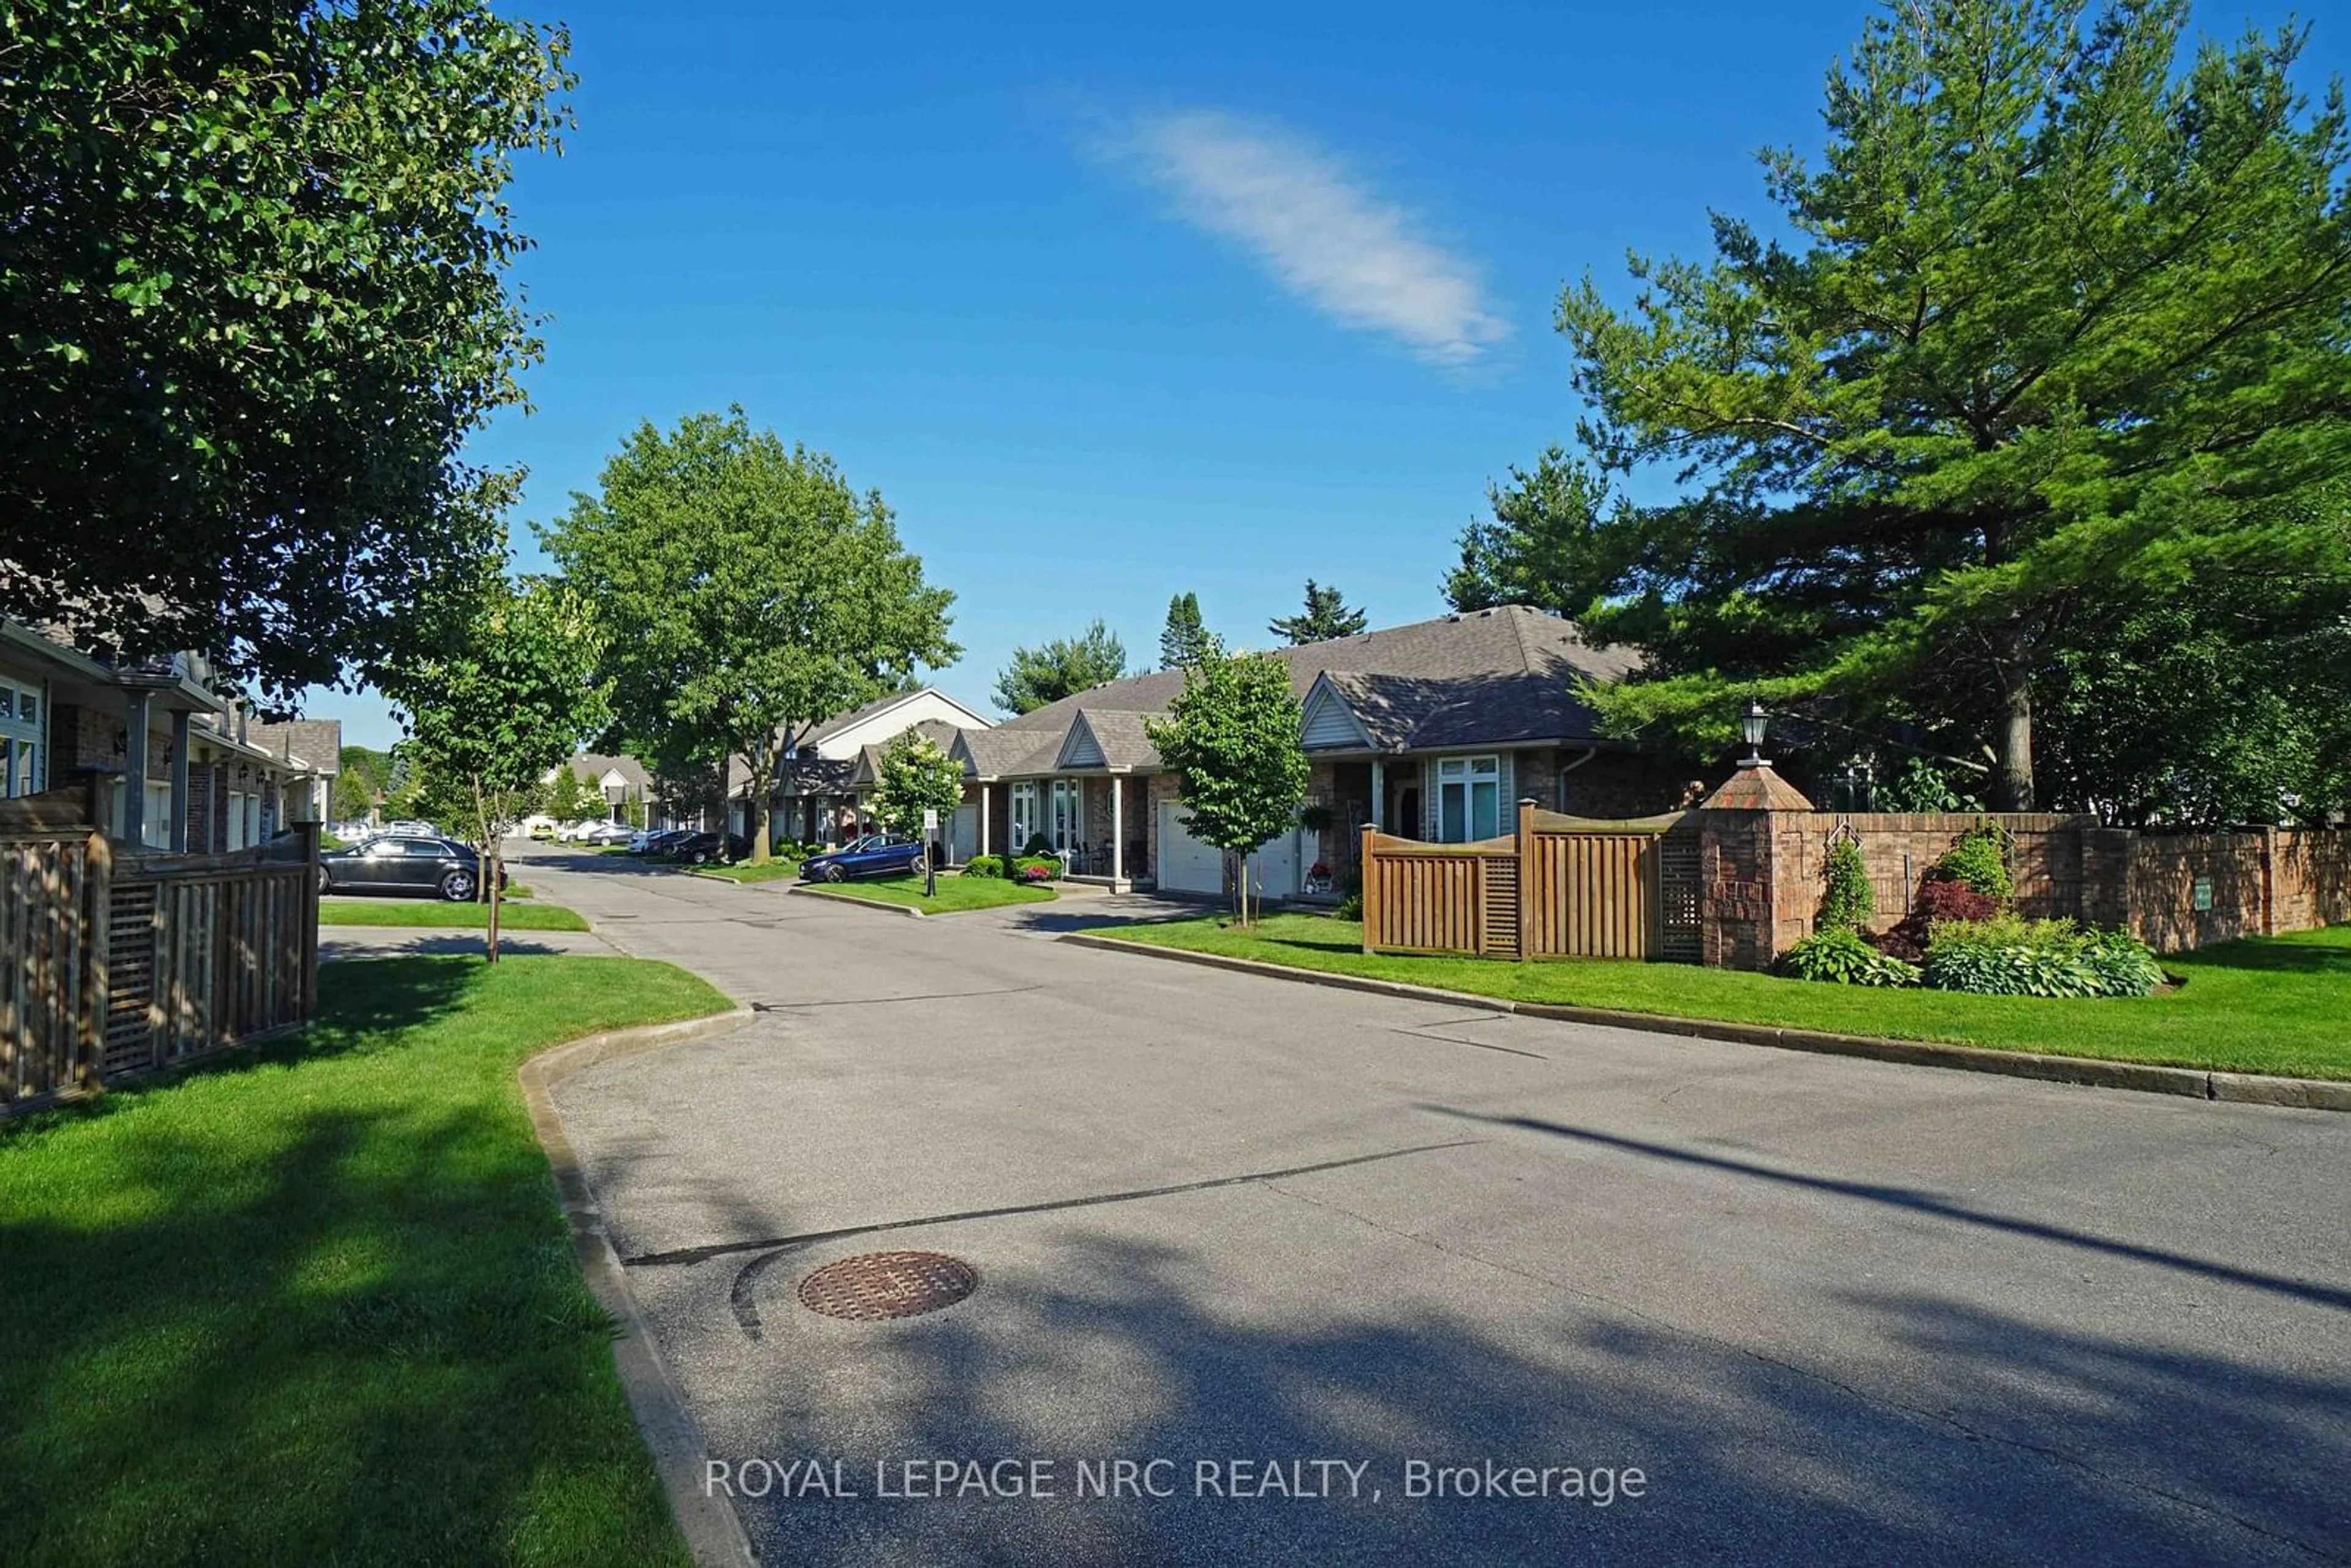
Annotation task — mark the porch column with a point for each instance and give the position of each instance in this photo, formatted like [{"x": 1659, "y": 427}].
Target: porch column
[
  {"x": 134, "y": 770},
  {"x": 1117, "y": 832},
  {"x": 1379, "y": 795},
  {"x": 180, "y": 785},
  {"x": 984, "y": 790}
]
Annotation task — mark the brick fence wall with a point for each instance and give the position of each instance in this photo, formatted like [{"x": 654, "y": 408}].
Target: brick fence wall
[{"x": 1761, "y": 876}]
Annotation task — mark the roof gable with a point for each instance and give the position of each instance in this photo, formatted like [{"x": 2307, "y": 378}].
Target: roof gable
[
  {"x": 1329, "y": 722},
  {"x": 1080, "y": 748}
]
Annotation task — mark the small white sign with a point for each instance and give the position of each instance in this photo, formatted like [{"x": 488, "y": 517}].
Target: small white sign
[{"x": 930, "y": 818}]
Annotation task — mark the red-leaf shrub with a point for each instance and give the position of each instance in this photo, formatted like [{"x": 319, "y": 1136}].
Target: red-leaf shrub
[{"x": 1940, "y": 898}]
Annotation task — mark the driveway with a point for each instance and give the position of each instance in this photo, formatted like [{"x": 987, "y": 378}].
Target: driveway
[{"x": 1293, "y": 1240}]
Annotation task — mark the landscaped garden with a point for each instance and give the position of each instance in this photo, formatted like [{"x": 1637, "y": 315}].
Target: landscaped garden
[
  {"x": 2276, "y": 1004},
  {"x": 315, "y": 1302},
  {"x": 955, "y": 894},
  {"x": 466, "y": 916}
]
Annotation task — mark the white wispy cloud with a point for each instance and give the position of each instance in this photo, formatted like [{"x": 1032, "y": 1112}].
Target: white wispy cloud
[{"x": 1328, "y": 237}]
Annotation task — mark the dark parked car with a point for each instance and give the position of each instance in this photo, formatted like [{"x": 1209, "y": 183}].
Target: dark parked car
[
  {"x": 703, "y": 849},
  {"x": 652, "y": 841},
  {"x": 403, "y": 863},
  {"x": 875, "y": 854}
]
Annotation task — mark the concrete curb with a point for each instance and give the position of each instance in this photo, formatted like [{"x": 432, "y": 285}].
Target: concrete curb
[
  {"x": 2186, "y": 1082},
  {"x": 712, "y": 1532},
  {"x": 802, "y": 889}
]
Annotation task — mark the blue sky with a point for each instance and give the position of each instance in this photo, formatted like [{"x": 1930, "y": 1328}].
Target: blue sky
[{"x": 1111, "y": 304}]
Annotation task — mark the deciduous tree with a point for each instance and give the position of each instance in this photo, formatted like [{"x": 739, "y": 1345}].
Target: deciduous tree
[
  {"x": 1059, "y": 668},
  {"x": 253, "y": 282},
  {"x": 512, "y": 697},
  {"x": 915, "y": 775},
  {"x": 745, "y": 591},
  {"x": 1231, "y": 740}
]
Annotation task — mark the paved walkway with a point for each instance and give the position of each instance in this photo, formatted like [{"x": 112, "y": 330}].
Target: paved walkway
[{"x": 1833, "y": 1311}]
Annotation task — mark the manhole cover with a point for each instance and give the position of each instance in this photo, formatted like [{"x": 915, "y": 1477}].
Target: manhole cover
[{"x": 888, "y": 1285}]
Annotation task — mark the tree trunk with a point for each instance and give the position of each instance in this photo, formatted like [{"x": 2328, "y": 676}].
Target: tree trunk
[
  {"x": 498, "y": 879},
  {"x": 2012, "y": 791}
]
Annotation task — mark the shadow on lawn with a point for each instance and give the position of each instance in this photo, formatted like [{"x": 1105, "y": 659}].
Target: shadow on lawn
[
  {"x": 1955, "y": 1433},
  {"x": 306, "y": 1329},
  {"x": 2304, "y": 952}
]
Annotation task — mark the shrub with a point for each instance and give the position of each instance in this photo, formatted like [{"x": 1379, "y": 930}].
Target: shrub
[
  {"x": 2008, "y": 957},
  {"x": 1038, "y": 844},
  {"x": 2125, "y": 966},
  {"x": 1350, "y": 905},
  {"x": 1981, "y": 862},
  {"x": 1039, "y": 870},
  {"x": 983, "y": 866},
  {"x": 1844, "y": 956},
  {"x": 1846, "y": 898},
  {"x": 1939, "y": 902}
]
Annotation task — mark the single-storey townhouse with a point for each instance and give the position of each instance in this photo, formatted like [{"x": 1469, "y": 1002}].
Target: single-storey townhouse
[
  {"x": 168, "y": 760},
  {"x": 1430, "y": 731},
  {"x": 829, "y": 767}
]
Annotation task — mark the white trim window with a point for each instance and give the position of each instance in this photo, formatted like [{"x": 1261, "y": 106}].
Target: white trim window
[
  {"x": 22, "y": 709},
  {"x": 1469, "y": 798},
  {"x": 1023, "y": 822}
]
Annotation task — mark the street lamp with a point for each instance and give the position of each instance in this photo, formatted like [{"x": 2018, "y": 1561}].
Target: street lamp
[{"x": 1752, "y": 724}]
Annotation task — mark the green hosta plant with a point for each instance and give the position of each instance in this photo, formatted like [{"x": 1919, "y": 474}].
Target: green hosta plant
[
  {"x": 2009, "y": 956},
  {"x": 2125, "y": 966},
  {"x": 1842, "y": 956}
]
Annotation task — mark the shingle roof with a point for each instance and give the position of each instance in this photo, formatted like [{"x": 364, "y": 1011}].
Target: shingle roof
[
  {"x": 1476, "y": 677},
  {"x": 317, "y": 743},
  {"x": 593, "y": 765}
]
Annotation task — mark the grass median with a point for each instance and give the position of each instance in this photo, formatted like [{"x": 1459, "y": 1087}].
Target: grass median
[
  {"x": 2275, "y": 1004},
  {"x": 955, "y": 894},
  {"x": 315, "y": 1303},
  {"x": 438, "y": 913},
  {"x": 774, "y": 871}
]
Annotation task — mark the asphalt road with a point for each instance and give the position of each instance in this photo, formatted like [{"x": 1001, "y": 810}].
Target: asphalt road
[{"x": 1833, "y": 1311}]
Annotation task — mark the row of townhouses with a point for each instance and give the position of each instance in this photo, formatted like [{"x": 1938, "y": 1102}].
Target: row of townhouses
[
  {"x": 1431, "y": 731},
  {"x": 166, "y": 758}
]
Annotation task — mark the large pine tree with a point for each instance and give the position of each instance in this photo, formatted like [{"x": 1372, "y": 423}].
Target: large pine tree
[{"x": 2058, "y": 328}]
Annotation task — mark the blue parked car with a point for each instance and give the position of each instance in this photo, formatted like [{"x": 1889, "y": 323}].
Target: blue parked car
[{"x": 875, "y": 854}]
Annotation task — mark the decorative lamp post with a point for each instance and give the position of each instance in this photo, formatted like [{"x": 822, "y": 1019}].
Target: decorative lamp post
[{"x": 1752, "y": 724}]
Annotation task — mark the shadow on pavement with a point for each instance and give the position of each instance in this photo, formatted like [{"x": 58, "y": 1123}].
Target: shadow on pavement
[{"x": 2008, "y": 1441}]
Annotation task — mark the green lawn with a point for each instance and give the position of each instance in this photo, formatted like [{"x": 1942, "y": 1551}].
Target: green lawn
[
  {"x": 316, "y": 1303},
  {"x": 956, "y": 893},
  {"x": 438, "y": 912},
  {"x": 2265, "y": 1005},
  {"x": 774, "y": 871}
]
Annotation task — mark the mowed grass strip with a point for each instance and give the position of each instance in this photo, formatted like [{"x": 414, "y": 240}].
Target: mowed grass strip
[
  {"x": 774, "y": 871},
  {"x": 433, "y": 912},
  {"x": 316, "y": 1303},
  {"x": 956, "y": 893},
  {"x": 2273, "y": 1004}
]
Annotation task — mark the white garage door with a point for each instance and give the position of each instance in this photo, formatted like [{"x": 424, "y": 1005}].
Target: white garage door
[{"x": 1187, "y": 865}]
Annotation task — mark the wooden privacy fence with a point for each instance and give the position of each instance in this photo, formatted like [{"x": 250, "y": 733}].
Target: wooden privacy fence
[
  {"x": 113, "y": 964},
  {"x": 1560, "y": 887}
]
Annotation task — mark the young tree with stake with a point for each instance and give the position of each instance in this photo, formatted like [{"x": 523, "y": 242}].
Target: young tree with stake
[
  {"x": 1231, "y": 741},
  {"x": 489, "y": 717}
]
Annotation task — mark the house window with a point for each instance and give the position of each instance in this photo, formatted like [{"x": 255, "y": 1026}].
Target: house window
[
  {"x": 1469, "y": 798},
  {"x": 1068, "y": 815},
  {"x": 20, "y": 741},
  {"x": 1024, "y": 817}
]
